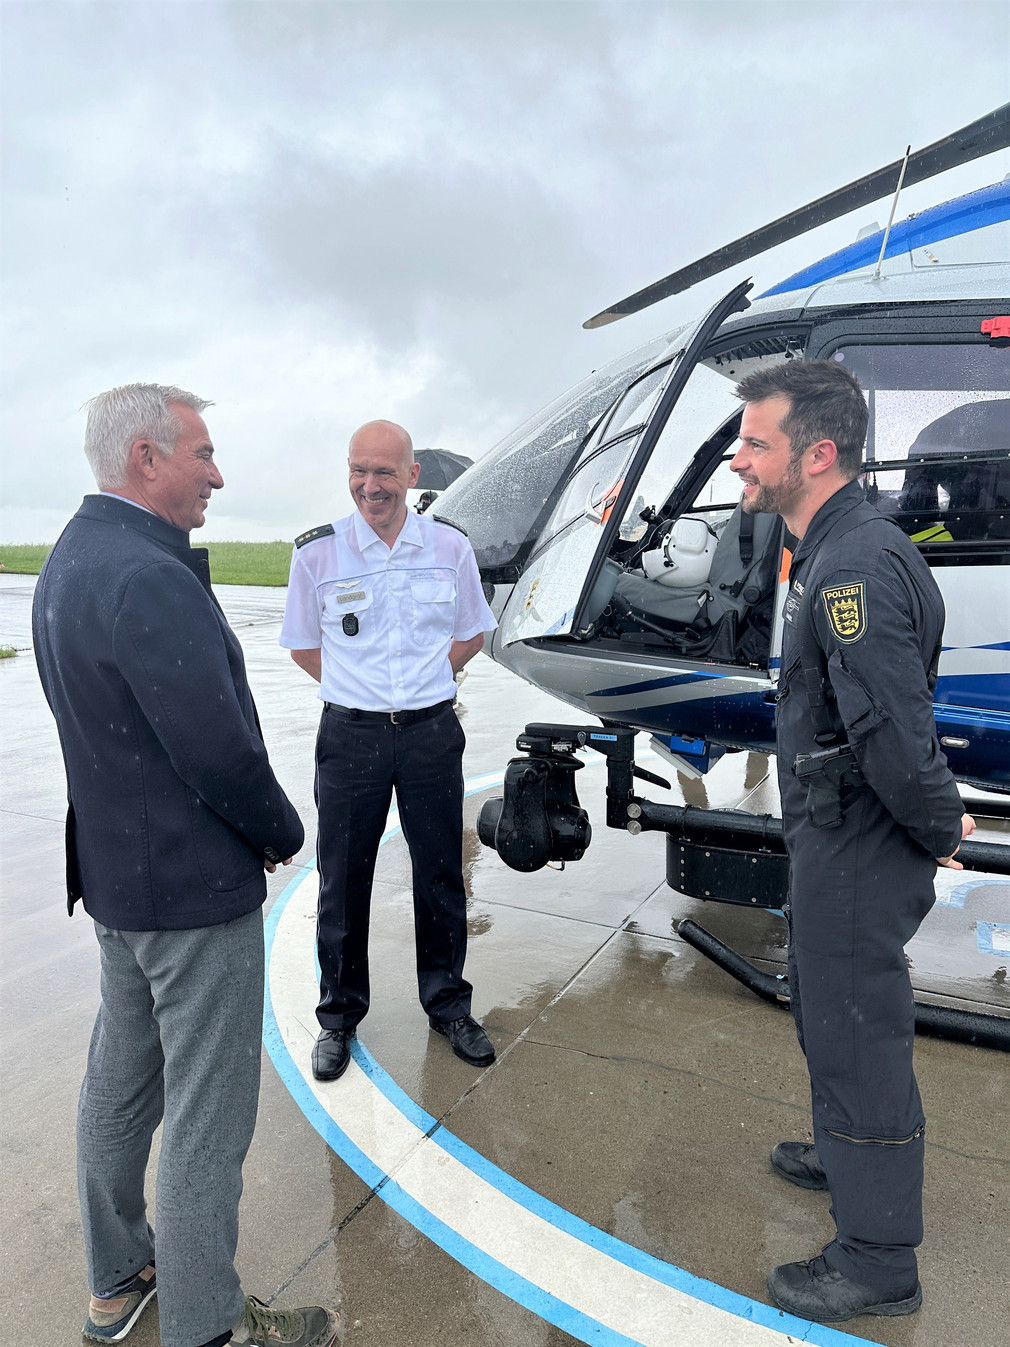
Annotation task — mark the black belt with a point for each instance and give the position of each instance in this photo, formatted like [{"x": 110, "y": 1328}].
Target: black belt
[{"x": 388, "y": 717}]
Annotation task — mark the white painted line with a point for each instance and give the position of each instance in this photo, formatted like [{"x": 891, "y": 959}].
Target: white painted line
[{"x": 597, "y": 1288}]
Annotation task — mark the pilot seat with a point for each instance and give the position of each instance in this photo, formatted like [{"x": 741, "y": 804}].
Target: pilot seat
[
  {"x": 978, "y": 504},
  {"x": 706, "y": 588}
]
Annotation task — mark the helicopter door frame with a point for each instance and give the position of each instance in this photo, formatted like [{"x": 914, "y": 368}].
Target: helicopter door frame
[
  {"x": 523, "y": 618},
  {"x": 734, "y": 302}
]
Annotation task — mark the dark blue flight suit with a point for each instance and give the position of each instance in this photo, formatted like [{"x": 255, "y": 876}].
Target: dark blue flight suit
[{"x": 863, "y": 601}]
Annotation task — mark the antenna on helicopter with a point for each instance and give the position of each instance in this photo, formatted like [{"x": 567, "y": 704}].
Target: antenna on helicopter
[
  {"x": 985, "y": 136},
  {"x": 890, "y": 218}
]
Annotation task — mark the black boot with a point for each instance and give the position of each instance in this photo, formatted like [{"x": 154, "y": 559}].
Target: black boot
[
  {"x": 814, "y": 1290},
  {"x": 797, "y": 1161}
]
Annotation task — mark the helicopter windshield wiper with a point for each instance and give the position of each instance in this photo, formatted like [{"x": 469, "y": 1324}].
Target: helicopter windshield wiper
[{"x": 985, "y": 136}]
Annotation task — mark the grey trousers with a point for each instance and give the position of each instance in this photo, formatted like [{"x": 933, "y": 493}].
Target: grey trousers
[{"x": 177, "y": 1038}]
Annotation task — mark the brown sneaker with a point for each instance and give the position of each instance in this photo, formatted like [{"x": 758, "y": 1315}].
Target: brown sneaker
[
  {"x": 310, "y": 1326},
  {"x": 111, "y": 1320}
]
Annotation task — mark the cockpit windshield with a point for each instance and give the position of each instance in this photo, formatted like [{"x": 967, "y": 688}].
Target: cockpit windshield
[{"x": 504, "y": 506}]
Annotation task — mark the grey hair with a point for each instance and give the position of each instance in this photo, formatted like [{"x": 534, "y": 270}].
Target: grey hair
[{"x": 120, "y": 417}]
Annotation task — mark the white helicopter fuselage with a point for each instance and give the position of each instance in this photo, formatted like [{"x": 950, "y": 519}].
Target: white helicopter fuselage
[{"x": 562, "y": 512}]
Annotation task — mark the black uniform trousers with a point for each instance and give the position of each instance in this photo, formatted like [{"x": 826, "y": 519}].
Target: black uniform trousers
[
  {"x": 857, "y": 896},
  {"x": 359, "y": 763}
]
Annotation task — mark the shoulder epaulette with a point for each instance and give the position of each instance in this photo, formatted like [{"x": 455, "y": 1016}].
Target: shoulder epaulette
[
  {"x": 458, "y": 527},
  {"x": 310, "y": 535}
]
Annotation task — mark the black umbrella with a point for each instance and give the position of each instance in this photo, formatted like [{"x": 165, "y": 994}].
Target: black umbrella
[{"x": 439, "y": 468}]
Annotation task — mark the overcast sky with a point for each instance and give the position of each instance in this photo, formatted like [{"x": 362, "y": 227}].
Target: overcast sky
[{"x": 316, "y": 213}]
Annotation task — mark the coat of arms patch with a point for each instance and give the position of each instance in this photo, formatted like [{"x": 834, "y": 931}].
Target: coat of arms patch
[{"x": 845, "y": 606}]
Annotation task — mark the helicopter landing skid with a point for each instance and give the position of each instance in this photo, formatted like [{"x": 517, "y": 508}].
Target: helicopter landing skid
[
  {"x": 722, "y": 855},
  {"x": 962, "y": 1026}
]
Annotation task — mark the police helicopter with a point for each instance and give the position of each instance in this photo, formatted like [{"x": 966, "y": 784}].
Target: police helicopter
[{"x": 628, "y": 582}]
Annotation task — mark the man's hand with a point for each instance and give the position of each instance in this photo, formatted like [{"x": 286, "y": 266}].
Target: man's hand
[
  {"x": 967, "y": 828},
  {"x": 270, "y": 867}
]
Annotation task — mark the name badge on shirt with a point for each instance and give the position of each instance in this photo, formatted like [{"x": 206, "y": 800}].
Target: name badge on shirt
[
  {"x": 356, "y": 597},
  {"x": 792, "y": 604}
]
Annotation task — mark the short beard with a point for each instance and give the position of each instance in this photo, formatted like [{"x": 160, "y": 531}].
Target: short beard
[{"x": 780, "y": 497}]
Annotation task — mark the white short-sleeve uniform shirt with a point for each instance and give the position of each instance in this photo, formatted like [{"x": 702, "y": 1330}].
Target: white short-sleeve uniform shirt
[{"x": 384, "y": 618}]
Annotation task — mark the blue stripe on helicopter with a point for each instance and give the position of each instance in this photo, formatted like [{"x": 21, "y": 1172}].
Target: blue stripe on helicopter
[
  {"x": 679, "y": 679},
  {"x": 970, "y": 715},
  {"x": 985, "y": 695},
  {"x": 945, "y": 710},
  {"x": 775, "y": 662},
  {"x": 963, "y": 215}
]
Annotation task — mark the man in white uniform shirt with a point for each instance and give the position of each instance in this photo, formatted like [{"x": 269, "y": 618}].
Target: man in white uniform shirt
[{"x": 384, "y": 607}]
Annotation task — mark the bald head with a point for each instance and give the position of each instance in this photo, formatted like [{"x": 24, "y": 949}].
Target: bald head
[
  {"x": 382, "y": 471},
  {"x": 382, "y": 435}
]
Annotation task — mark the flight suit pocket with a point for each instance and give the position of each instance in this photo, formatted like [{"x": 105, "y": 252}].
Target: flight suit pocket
[
  {"x": 785, "y": 681},
  {"x": 860, "y": 714}
]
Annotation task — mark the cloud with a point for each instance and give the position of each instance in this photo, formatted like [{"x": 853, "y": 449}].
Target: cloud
[{"x": 315, "y": 213}]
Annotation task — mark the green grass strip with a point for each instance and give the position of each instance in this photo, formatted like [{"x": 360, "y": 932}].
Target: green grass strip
[
  {"x": 23, "y": 558},
  {"x": 250, "y": 563},
  {"x": 230, "y": 563}
]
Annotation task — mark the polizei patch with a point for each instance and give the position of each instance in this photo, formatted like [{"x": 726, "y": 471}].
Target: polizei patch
[{"x": 845, "y": 606}]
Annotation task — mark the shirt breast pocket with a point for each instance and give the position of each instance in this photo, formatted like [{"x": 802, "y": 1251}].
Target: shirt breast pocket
[
  {"x": 349, "y": 621},
  {"x": 433, "y": 609}
]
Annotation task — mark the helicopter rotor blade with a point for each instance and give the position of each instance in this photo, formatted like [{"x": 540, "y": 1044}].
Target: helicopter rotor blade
[{"x": 985, "y": 136}]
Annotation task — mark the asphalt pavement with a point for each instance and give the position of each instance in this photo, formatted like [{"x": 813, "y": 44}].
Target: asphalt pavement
[{"x": 605, "y": 1181}]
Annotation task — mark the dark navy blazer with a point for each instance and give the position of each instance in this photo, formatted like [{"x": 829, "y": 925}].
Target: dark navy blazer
[{"x": 173, "y": 804}]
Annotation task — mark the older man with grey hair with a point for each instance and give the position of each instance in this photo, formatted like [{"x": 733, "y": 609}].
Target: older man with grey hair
[{"x": 174, "y": 814}]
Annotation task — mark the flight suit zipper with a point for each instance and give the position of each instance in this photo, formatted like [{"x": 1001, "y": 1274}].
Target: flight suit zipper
[{"x": 878, "y": 1141}]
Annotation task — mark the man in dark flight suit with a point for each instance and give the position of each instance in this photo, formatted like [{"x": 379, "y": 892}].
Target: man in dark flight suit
[{"x": 863, "y": 624}]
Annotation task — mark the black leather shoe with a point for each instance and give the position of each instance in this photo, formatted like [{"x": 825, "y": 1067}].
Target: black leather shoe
[
  {"x": 814, "y": 1290},
  {"x": 797, "y": 1161},
  {"x": 331, "y": 1053},
  {"x": 466, "y": 1038}
]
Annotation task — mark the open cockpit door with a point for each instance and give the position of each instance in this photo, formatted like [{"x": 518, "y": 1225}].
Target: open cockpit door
[
  {"x": 504, "y": 501},
  {"x": 600, "y": 485}
]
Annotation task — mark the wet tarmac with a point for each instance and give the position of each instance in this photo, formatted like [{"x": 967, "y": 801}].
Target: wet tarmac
[{"x": 574, "y": 1192}]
